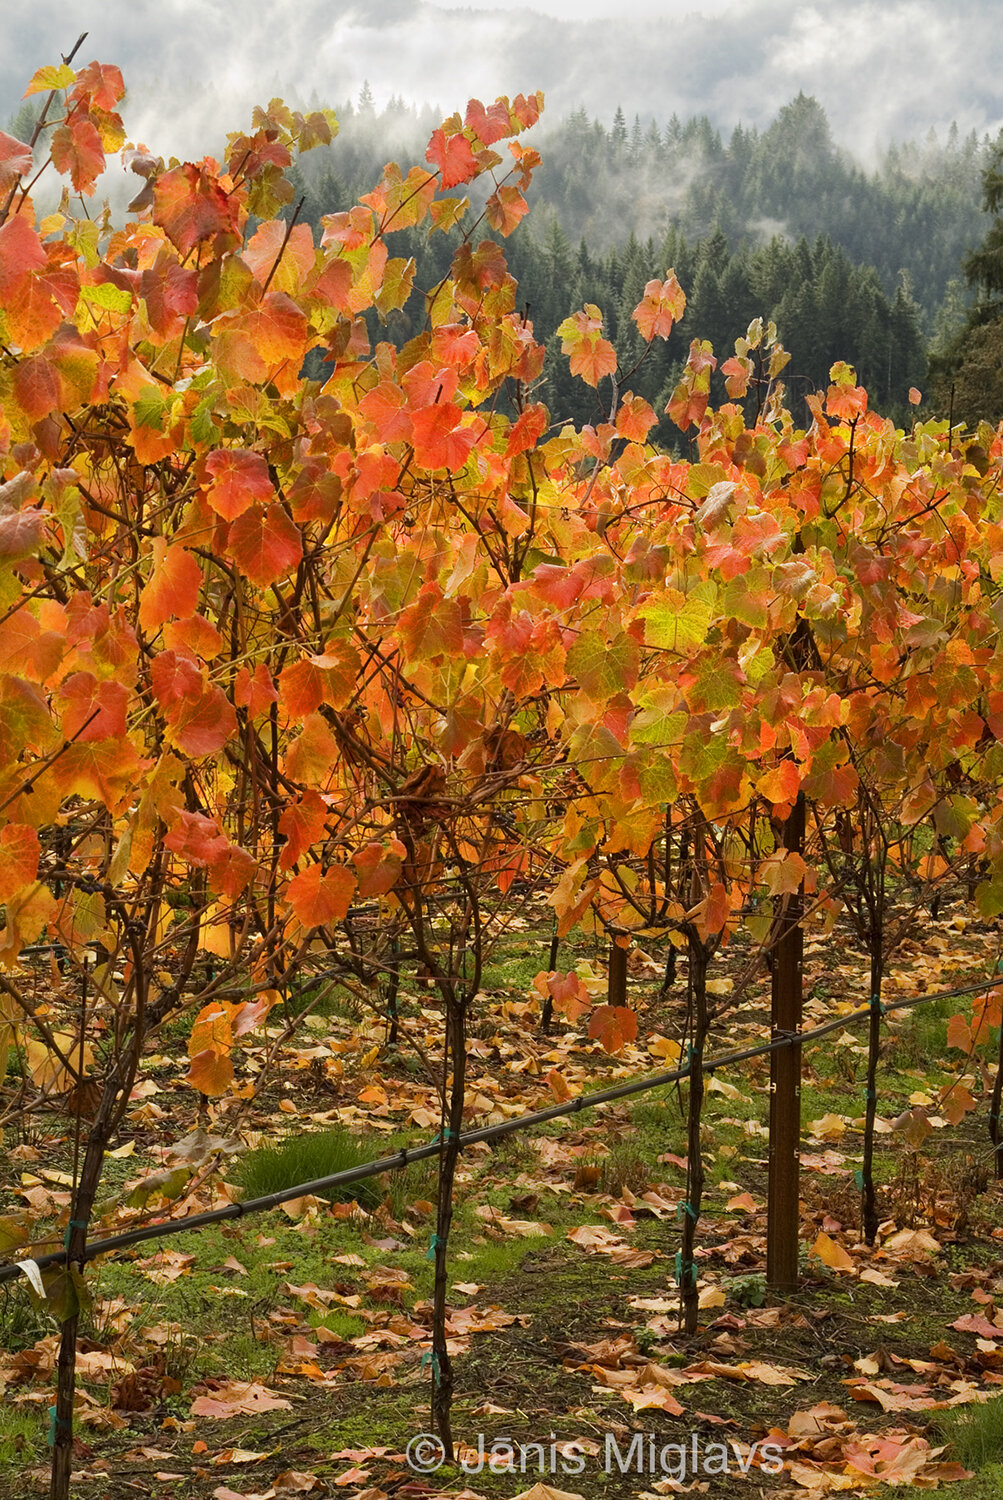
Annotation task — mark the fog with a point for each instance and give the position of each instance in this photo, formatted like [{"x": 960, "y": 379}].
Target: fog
[{"x": 194, "y": 68}]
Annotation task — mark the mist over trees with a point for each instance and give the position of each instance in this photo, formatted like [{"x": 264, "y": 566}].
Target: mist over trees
[
  {"x": 967, "y": 368},
  {"x": 879, "y": 268},
  {"x": 919, "y": 211},
  {"x": 781, "y": 224}
]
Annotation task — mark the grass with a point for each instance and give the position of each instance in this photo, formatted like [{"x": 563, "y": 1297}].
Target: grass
[
  {"x": 19, "y": 1435},
  {"x": 510, "y": 968},
  {"x": 496, "y": 1259},
  {"x": 345, "y": 1325},
  {"x": 653, "y": 1115},
  {"x": 329, "y": 1001},
  {"x": 921, "y": 1038},
  {"x": 241, "y": 1316},
  {"x": 176, "y": 1028},
  {"x": 626, "y": 1166},
  {"x": 985, "y": 1486},
  {"x": 974, "y": 1432},
  {"x": 243, "y": 1357},
  {"x": 418, "y": 1181},
  {"x": 303, "y": 1158},
  {"x": 21, "y": 1323}
]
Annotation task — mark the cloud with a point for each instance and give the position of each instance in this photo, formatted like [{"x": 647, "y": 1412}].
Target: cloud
[
  {"x": 661, "y": 11},
  {"x": 195, "y": 67}
]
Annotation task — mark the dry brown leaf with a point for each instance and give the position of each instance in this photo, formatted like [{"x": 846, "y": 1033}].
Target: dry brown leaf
[
  {"x": 98, "y": 1365},
  {"x": 913, "y": 1243},
  {"x": 976, "y": 1323},
  {"x": 877, "y": 1278},
  {"x": 711, "y": 1296},
  {"x": 238, "y": 1397},
  {"x": 239, "y": 1456},
  {"x": 632, "y": 1260},
  {"x": 594, "y": 1237},
  {"x": 831, "y": 1254},
  {"x": 892, "y": 1397},
  {"x": 545, "y": 1492},
  {"x": 743, "y": 1200},
  {"x": 525, "y": 1227},
  {"x": 654, "y": 1395},
  {"x": 756, "y": 1369},
  {"x": 821, "y": 1419}
]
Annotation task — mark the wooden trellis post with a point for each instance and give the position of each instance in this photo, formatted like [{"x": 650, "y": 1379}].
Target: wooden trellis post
[
  {"x": 782, "y": 1237},
  {"x": 616, "y": 989}
]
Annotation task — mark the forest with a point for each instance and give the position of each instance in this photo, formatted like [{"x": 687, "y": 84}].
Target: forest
[
  {"x": 782, "y": 225},
  {"x": 501, "y": 810}
]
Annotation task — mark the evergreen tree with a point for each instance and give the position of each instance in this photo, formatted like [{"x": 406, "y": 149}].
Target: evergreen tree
[
  {"x": 779, "y": 225},
  {"x": 968, "y": 377}
]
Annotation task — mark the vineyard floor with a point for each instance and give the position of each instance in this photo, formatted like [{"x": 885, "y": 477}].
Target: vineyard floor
[{"x": 283, "y": 1355}]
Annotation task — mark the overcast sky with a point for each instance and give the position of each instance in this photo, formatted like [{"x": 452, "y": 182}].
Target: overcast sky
[
  {"x": 589, "y": 10},
  {"x": 882, "y": 69}
]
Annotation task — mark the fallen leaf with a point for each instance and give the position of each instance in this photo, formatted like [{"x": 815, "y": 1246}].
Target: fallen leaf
[
  {"x": 743, "y": 1200},
  {"x": 831, "y": 1254},
  {"x": 239, "y": 1456},
  {"x": 545, "y": 1492},
  {"x": 976, "y": 1323},
  {"x": 877, "y": 1278},
  {"x": 913, "y": 1242},
  {"x": 238, "y": 1398}
]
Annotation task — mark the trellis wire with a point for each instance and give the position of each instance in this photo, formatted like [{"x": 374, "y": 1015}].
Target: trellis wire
[{"x": 9, "y": 1271}]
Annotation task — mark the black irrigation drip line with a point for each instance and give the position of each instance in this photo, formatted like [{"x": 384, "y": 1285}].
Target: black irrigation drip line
[{"x": 403, "y": 1158}]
